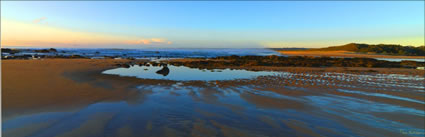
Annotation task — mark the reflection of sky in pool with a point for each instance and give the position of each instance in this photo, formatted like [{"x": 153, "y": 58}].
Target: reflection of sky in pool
[
  {"x": 186, "y": 74},
  {"x": 399, "y": 59}
]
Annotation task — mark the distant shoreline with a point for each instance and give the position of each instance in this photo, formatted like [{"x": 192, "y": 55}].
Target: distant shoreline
[{"x": 344, "y": 54}]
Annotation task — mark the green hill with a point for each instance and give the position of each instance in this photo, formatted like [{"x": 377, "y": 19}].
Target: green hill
[{"x": 386, "y": 49}]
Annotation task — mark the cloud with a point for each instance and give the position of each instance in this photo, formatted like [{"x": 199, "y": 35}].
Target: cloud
[
  {"x": 143, "y": 41},
  {"x": 39, "y": 20},
  {"x": 151, "y": 41},
  {"x": 157, "y": 40}
]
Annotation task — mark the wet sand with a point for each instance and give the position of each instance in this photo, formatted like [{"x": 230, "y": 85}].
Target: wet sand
[
  {"x": 70, "y": 97},
  {"x": 344, "y": 54},
  {"x": 41, "y": 85}
]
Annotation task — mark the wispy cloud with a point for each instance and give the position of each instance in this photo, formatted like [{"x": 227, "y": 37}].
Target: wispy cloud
[
  {"x": 151, "y": 41},
  {"x": 40, "y": 20}
]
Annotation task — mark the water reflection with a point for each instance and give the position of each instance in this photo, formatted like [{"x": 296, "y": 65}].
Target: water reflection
[
  {"x": 180, "y": 110},
  {"x": 400, "y": 59},
  {"x": 185, "y": 73}
]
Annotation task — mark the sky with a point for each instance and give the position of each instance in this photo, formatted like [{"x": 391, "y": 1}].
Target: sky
[{"x": 209, "y": 24}]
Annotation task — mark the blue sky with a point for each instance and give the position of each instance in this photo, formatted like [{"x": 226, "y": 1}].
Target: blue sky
[{"x": 213, "y": 24}]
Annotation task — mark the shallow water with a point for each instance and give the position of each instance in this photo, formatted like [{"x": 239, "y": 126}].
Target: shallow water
[
  {"x": 284, "y": 104},
  {"x": 185, "y": 73},
  {"x": 400, "y": 59}
]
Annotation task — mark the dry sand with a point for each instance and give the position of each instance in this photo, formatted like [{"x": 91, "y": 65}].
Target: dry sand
[{"x": 344, "y": 54}]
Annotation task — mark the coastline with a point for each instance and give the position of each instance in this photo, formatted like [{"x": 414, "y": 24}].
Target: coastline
[{"x": 345, "y": 54}]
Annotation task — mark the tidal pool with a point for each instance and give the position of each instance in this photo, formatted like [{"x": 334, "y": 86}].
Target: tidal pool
[
  {"x": 400, "y": 59},
  {"x": 181, "y": 73}
]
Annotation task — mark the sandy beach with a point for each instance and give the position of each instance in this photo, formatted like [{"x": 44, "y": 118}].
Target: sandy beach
[
  {"x": 31, "y": 86},
  {"x": 300, "y": 101}
]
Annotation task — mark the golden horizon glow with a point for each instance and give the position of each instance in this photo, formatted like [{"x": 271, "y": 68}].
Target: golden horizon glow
[{"x": 16, "y": 33}]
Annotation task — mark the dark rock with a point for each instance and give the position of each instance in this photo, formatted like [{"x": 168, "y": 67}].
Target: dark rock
[
  {"x": 164, "y": 71},
  {"x": 125, "y": 65}
]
